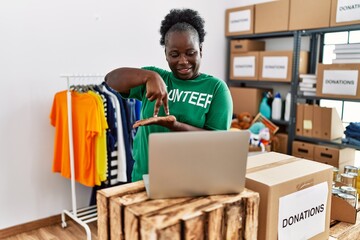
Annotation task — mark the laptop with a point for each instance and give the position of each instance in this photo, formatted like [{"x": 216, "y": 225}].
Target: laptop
[{"x": 197, "y": 163}]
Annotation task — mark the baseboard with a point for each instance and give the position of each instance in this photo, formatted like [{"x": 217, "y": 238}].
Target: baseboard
[{"x": 25, "y": 227}]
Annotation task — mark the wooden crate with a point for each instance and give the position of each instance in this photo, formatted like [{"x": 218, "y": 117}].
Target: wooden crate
[
  {"x": 345, "y": 231},
  {"x": 125, "y": 212}
]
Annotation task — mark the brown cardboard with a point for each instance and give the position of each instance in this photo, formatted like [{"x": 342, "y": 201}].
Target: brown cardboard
[
  {"x": 303, "y": 150},
  {"x": 246, "y": 45},
  {"x": 308, "y": 120},
  {"x": 274, "y": 175},
  {"x": 341, "y": 210},
  {"x": 309, "y": 14},
  {"x": 272, "y": 16},
  {"x": 317, "y": 122},
  {"x": 320, "y": 79},
  {"x": 247, "y": 17},
  {"x": 346, "y": 11},
  {"x": 241, "y": 71},
  {"x": 303, "y": 64},
  {"x": 280, "y": 143},
  {"x": 334, "y": 156},
  {"x": 332, "y": 127},
  {"x": 299, "y": 118},
  {"x": 246, "y": 99}
]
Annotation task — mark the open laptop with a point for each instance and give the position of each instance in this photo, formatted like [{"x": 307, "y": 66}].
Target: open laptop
[{"x": 183, "y": 164}]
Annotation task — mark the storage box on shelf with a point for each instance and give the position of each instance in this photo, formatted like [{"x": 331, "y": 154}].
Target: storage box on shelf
[
  {"x": 251, "y": 96},
  {"x": 335, "y": 156},
  {"x": 246, "y": 45},
  {"x": 344, "y": 12},
  {"x": 309, "y": 14},
  {"x": 331, "y": 155},
  {"x": 277, "y": 65},
  {"x": 272, "y": 16},
  {"x": 132, "y": 215},
  {"x": 280, "y": 142},
  {"x": 244, "y": 66},
  {"x": 338, "y": 81},
  {"x": 288, "y": 188},
  {"x": 239, "y": 21},
  {"x": 303, "y": 150}
]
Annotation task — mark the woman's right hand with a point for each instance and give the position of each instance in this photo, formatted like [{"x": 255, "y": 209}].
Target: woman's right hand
[{"x": 157, "y": 90}]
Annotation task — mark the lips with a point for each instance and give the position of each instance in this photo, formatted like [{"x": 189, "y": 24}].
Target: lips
[{"x": 184, "y": 70}]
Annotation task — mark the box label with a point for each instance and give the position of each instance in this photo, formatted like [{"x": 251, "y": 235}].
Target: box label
[
  {"x": 341, "y": 82},
  {"x": 240, "y": 21},
  {"x": 302, "y": 214},
  {"x": 244, "y": 66},
  {"x": 275, "y": 67},
  {"x": 347, "y": 10}
]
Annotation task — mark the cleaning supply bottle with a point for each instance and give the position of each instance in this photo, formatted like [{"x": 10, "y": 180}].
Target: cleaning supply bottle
[
  {"x": 265, "y": 108},
  {"x": 287, "y": 106},
  {"x": 276, "y": 107}
]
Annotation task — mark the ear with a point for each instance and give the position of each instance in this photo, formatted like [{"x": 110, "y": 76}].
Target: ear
[{"x": 200, "y": 50}]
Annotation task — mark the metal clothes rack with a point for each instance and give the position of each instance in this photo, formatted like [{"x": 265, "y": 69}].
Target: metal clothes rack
[{"x": 82, "y": 216}]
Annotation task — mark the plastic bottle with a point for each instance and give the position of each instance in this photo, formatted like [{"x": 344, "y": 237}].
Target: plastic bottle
[
  {"x": 265, "y": 108},
  {"x": 287, "y": 106},
  {"x": 276, "y": 107}
]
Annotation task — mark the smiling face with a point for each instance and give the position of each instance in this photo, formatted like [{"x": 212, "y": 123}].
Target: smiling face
[{"x": 183, "y": 54}]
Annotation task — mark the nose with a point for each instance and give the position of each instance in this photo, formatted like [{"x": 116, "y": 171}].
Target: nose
[{"x": 183, "y": 59}]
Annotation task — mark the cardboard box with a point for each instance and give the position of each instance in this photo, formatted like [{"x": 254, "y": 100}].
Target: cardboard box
[
  {"x": 308, "y": 120},
  {"x": 303, "y": 150},
  {"x": 338, "y": 81},
  {"x": 272, "y": 16},
  {"x": 334, "y": 156},
  {"x": 251, "y": 96},
  {"x": 277, "y": 65},
  {"x": 244, "y": 66},
  {"x": 279, "y": 143},
  {"x": 290, "y": 187},
  {"x": 246, "y": 45},
  {"x": 344, "y": 12},
  {"x": 299, "y": 118},
  {"x": 309, "y": 14},
  {"x": 239, "y": 21},
  {"x": 332, "y": 127}
]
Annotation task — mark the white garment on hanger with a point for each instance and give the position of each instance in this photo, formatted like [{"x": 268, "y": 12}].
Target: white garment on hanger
[{"x": 121, "y": 173}]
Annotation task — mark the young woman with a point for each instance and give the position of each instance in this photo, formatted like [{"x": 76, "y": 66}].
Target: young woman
[{"x": 182, "y": 99}]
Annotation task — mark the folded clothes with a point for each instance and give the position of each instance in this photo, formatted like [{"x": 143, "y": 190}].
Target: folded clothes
[
  {"x": 353, "y": 130},
  {"x": 351, "y": 141}
]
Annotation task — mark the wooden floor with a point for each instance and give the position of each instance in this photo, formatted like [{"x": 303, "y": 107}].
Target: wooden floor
[{"x": 56, "y": 232}]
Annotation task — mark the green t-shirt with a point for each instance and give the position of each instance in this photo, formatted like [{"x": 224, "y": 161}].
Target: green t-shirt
[{"x": 204, "y": 102}]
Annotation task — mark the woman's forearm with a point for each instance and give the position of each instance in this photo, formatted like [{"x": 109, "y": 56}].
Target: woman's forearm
[{"x": 123, "y": 79}]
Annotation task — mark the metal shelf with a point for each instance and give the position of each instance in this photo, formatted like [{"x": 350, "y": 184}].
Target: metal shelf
[
  {"x": 336, "y": 142},
  {"x": 264, "y": 35},
  {"x": 327, "y": 98},
  {"x": 233, "y": 82},
  {"x": 280, "y": 122},
  {"x": 330, "y": 29}
]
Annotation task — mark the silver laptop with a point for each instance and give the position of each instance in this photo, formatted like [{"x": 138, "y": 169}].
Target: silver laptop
[{"x": 183, "y": 164}]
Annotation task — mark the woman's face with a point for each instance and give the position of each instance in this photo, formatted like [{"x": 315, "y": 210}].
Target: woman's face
[{"x": 183, "y": 54}]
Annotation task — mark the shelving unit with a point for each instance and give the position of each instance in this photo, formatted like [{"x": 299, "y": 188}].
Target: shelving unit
[
  {"x": 259, "y": 84},
  {"x": 315, "y": 55}
]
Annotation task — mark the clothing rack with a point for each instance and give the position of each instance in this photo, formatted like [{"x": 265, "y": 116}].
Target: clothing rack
[{"x": 85, "y": 215}]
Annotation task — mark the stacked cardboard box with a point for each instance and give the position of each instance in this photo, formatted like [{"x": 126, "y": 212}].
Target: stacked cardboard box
[
  {"x": 338, "y": 81},
  {"x": 244, "y": 59}
]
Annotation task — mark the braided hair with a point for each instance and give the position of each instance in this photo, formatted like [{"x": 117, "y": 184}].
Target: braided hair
[{"x": 182, "y": 20}]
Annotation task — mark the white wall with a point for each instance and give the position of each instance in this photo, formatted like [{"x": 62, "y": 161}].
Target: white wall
[{"x": 42, "y": 39}]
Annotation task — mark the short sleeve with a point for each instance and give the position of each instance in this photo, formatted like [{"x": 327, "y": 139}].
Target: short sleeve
[{"x": 221, "y": 109}]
